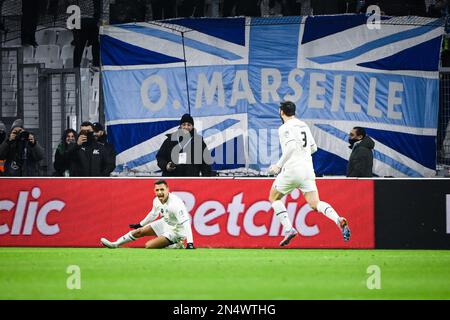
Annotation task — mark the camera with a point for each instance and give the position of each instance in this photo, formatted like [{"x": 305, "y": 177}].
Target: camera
[
  {"x": 23, "y": 136},
  {"x": 89, "y": 135}
]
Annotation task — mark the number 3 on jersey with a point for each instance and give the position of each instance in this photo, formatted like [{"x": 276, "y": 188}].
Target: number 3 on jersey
[{"x": 303, "y": 133}]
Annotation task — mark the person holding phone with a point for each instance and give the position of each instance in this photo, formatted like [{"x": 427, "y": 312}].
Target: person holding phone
[
  {"x": 184, "y": 153},
  {"x": 88, "y": 158}
]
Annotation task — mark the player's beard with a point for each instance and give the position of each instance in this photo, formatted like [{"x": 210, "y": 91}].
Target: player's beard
[{"x": 282, "y": 121}]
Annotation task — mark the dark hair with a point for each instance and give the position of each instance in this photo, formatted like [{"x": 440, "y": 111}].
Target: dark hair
[
  {"x": 66, "y": 133},
  {"x": 161, "y": 182},
  {"x": 288, "y": 108},
  {"x": 87, "y": 124},
  {"x": 97, "y": 126},
  {"x": 360, "y": 131}
]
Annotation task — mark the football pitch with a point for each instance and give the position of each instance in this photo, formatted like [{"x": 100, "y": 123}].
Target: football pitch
[{"x": 49, "y": 273}]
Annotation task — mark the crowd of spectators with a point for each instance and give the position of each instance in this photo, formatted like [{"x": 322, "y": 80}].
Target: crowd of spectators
[
  {"x": 87, "y": 153},
  {"x": 79, "y": 154}
]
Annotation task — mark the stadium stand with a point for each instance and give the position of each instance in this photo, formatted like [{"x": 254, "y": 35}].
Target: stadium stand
[{"x": 27, "y": 72}]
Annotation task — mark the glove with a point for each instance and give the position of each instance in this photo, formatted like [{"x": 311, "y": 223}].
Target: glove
[
  {"x": 190, "y": 245},
  {"x": 135, "y": 226}
]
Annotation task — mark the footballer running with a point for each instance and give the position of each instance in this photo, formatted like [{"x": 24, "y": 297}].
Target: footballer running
[{"x": 296, "y": 170}]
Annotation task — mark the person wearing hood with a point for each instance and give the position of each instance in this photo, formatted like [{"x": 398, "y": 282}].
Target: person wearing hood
[
  {"x": 184, "y": 153},
  {"x": 102, "y": 138},
  {"x": 62, "y": 160},
  {"x": 21, "y": 152},
  {"x": 88, "y": 158},
  {"x": 360, "y": 162}
]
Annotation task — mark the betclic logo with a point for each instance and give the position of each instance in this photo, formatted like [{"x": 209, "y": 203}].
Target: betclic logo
[
  {"x": 209, "y": 210},
  {"x": 29, "y": 214}
]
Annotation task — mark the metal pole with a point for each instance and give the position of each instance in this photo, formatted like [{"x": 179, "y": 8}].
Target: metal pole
[{"x": 185, "y": 73}]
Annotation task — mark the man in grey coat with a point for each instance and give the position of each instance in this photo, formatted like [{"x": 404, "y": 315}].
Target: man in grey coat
[{"x": 361, "y": 159}]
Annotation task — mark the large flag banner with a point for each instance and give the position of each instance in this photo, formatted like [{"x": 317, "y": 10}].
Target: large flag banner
[{"x": 232, "y": 73}]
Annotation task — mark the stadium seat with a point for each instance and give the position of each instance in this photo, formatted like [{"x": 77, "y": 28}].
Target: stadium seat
[
  {"x": 46, "y": 53},
  {"x": 54, "y": 64},
  {"x": 28, "y": 54},
  {"x": 67, "y": 52},
  {"x": 68, "y": 63},
  {"x": 64, "y": 37},
  {"x": 46, "y": 37}
]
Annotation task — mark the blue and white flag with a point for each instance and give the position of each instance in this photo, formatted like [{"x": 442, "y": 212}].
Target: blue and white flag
[{"x": 232, "y": 73}]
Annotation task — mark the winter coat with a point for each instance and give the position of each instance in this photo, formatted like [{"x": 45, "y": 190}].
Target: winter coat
[
  {"x": 109, "y": 148},
  {"x": 19, "y": 163},
  {"x": 197, "y": 159},
  {"x": 62, "y": 160},
  {"x": 89, "y": 160},
  {"x": 361, "y": 159}
]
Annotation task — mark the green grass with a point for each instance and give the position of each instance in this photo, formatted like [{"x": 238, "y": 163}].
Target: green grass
[{"x": 40, "y": 273}]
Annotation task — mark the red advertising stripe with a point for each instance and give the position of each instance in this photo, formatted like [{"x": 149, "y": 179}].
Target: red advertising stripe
[{"x": 226, "y": 212}]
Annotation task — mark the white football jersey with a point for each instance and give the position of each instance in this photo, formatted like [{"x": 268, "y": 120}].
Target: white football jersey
[
  {"x": 297, "y": 132},
  {"x": 173, "y": 212}
]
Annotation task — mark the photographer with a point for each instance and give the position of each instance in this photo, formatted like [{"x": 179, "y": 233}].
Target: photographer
[
  {"x": 88, "y": 158},
  {"x": 21, "y": 153}
]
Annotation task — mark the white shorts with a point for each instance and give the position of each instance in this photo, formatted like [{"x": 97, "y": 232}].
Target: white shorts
[
  {"x": 161, "y": 228},
  {"x": 286, "y": 182}
]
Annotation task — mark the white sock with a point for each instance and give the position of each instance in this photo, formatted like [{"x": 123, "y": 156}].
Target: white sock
[
  {"x": 281, "y": 213},
  {"x": 328, "y": 211},
  {"x": 125, "y": 239}
]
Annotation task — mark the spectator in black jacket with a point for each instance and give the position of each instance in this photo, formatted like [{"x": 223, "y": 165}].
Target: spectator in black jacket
[
  {"x": 21, "y": 152},
  {"x": 2, "y": 132},
  {"x": 102, "y": 138},
  {"x": 361, "y": 159},
  {"x": 88, "y": 158},
  {"x": 62, "y": 160},
  {"x": 184, "y": 153}
]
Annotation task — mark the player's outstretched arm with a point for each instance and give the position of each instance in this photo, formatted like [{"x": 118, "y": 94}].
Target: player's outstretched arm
[
  {"x": 151, "y": 216},
  {"x": 188, "y": 233}
]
